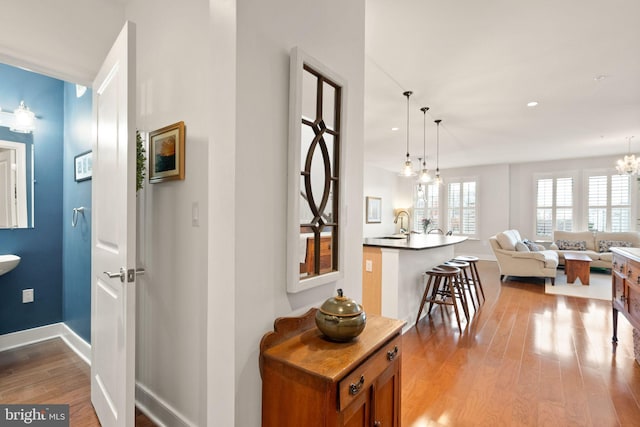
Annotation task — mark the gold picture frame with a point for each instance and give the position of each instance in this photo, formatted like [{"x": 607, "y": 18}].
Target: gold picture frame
[{"x": 166, "y": 153}]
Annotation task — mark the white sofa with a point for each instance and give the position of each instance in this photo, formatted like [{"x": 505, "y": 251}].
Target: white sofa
[
  {"x": 515, "y": 258},
  {"x": 595, "y": 244}
]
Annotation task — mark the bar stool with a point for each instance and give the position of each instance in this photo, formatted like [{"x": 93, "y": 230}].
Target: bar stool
[
  {"x": 472, "y": 260},
  {"x": 465, "y": 282},
  {"x": 442, "y": 283}
]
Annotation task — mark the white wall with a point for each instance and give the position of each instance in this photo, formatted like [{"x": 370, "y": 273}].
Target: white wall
[
  {"x": 172, "y": 68},
  {"x": 332, "y": 31}
]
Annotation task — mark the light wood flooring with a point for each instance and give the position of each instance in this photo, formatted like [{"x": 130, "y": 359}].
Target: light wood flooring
[
  {"x": 50, "y": 372},
  {"x": 525, "y": 359}
]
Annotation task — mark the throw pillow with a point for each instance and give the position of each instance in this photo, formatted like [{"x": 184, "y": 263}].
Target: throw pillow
[
  {"x": 532, "y": 246},
  {"x": 572, "y": 245},
  {"x": 606, "y": 245},
  {"x": 522, "y": 247}
]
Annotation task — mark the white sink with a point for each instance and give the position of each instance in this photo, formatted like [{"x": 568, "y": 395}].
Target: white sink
[{"x": 8, "y": 263}]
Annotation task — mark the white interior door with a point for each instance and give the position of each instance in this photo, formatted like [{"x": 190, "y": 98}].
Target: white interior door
[{"x": 113, "y": 235}]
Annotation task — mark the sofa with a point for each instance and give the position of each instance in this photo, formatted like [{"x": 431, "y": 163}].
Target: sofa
[
  {"x": 595, "y": 244},
  {"x": 519, "y": 257}
]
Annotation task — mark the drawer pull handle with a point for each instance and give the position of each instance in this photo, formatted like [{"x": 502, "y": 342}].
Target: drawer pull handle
[
  {"x": 622, "y": 268},
  {"x": 638, "y": 280},
  {"x": 391, "y": 354},
  {"x": 629, "y": 273},
  {"x": 377, "y": 423},
  {"x": 355, "y": 388}
]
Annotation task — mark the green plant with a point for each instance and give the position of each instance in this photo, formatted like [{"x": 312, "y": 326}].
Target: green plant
[{"x": 140, "y": 161}]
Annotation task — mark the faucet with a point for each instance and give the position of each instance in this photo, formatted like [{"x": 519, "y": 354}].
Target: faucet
[{"x": 395, "y": 221}]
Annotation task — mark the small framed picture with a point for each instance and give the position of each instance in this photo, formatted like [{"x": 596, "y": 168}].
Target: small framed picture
[
  {"x": 83, "y": 166},
  {"x": 374, "y": 210},
  {"x": 166, "y": 153}
]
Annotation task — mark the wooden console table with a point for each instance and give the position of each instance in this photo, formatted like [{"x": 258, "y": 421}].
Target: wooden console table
[
  {"x": 308, "y": 380},
  {"x": 625, "y": 279}
]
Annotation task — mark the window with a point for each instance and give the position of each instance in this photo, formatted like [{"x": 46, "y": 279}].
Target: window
[
  {"x": 609, "y": 204},
  {"x": 554, "y": 205},
  {"x": 461, "y": 207},
  {"x": 425, "y": 205}
]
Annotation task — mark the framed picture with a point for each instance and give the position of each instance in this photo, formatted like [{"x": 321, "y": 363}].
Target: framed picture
[
  {"x": 166, "y": 153},
  {"x": 83, "y": 166},
  {"x": 374, "y": 210}
]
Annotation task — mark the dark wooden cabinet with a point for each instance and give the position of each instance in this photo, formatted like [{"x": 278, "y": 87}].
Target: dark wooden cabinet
[
  {"x": 625, "y": 286},
  {"x": 308, "y": 380}
]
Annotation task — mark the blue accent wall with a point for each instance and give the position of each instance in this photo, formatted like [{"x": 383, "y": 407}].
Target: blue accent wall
[
  {"x": 76, "y": 241},
  {"x": 41, "y": 247}
]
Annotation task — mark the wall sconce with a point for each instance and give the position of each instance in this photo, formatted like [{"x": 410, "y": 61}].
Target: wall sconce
[{"x": 22, "y": 120}]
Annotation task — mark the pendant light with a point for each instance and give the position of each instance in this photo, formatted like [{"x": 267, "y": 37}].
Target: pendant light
[
  {"x": 629, "y": 165},
  {"x": 407, "y": 169},
  {"x": 424, "y": 173},
  {"x": 438, "y": 179}
]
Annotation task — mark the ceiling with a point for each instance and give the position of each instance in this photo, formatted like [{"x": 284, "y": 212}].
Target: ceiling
[{"x": 477, "y": 65}]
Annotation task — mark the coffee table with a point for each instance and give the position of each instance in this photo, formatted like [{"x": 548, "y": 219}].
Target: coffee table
[{"x": 577, "y": 266}]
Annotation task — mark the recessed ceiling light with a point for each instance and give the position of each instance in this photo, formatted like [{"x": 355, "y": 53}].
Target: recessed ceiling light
[
  {"x": 394, "y": 129},
  {"x": 532, "y": 104},
  {"x": 600, "y": 77}
]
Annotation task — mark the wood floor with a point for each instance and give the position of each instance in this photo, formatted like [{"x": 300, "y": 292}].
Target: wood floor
[
  {"x": 50, "y": 372},
  {"x": 525, "y": 359}
]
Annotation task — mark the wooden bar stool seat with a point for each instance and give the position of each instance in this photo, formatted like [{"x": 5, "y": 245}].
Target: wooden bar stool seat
[
  {"x": 464, "y": 280},
  {"x": 475, "y": 276},
  {"x": 441, "y": 289}
]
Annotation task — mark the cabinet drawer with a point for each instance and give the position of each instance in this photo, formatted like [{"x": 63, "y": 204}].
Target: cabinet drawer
[
  {"x": 364, "y": 375},
  {"x": 619, "y": 264},
  {"x": 633, "y": 298},
  {"x": 633, "y": 272}
]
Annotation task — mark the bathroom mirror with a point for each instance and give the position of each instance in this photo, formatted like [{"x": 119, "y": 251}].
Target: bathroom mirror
[
  {"x": 316, "y": 102},
  {"x": 16, "y": 184}
]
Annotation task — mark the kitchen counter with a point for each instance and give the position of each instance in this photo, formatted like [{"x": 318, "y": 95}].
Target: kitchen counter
[
  {"x": 415, "y": 241},
  {"x": 393, "y": 271}
]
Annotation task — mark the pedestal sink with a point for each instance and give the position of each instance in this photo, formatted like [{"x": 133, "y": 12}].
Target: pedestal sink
[{"x": 8, "y": 263}]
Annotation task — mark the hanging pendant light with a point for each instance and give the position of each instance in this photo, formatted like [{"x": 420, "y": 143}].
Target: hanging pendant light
[
  {"x": 438, "y": 179},
  {"x": 407, "y": 169},
  {"x": 424, "y": 173},
  {"x": 629, "y": 165}
]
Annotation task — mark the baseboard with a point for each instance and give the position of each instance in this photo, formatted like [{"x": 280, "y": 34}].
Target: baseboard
[
  {"x": 30, "y": 336},
  {"x": 76, "y": 343},
  {"x": 159, "y": 411}
]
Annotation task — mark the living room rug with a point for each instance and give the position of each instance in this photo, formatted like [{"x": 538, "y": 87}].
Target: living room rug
[{"x": 599, "y": 286}]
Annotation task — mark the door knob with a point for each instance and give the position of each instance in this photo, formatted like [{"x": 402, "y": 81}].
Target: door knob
[
  {"x": 121, "y": 274},
  {"x": 128, "y": 274}
]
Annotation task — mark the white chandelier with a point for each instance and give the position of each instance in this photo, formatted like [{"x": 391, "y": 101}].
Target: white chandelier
[{"x": 629, "y": 165}]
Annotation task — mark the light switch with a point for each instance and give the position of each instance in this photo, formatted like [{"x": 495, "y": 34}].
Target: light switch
[
  {"x": 368, "y": 265},
  {"x": 27, "y": 295},
  {"x": 195, "y": 215}
]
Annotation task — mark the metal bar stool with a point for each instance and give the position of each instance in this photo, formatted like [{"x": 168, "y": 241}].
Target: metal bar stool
[
  {"x": 472, "y": 260},
  {"x": 465, "y": 282},
  {"x": 442, "y": 283}
]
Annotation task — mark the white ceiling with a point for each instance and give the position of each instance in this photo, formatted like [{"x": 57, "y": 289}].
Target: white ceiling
[{"x": 476, "y": 64}]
